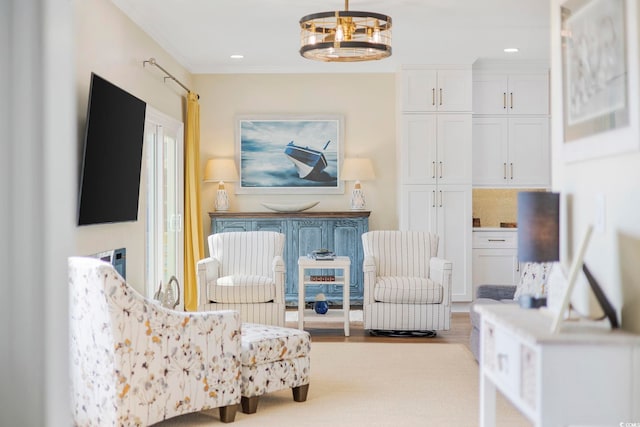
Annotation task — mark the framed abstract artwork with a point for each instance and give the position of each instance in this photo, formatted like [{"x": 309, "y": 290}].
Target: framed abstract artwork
[
  {"x": 598, "y": 56},
  {"x": 289, "y": 154}
]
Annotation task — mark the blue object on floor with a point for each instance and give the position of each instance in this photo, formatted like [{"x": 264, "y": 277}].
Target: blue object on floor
[{"x": 321, "y": 307}]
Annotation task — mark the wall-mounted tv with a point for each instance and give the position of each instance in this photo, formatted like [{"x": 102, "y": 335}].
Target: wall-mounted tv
[{"x": 112, "y": 157}]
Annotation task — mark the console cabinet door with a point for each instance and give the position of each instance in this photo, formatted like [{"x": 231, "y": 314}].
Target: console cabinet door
[
  {"x": 346, "y": 240},
  {"x": 306, "y": 236}
]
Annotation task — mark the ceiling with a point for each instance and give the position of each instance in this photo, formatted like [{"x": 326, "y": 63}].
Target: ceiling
[{"x": 202, "y": 34}]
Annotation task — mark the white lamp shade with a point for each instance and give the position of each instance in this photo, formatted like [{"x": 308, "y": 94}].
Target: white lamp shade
[
  {"x": 218, "y": 170},
  {"x": 357, "y": 169}
]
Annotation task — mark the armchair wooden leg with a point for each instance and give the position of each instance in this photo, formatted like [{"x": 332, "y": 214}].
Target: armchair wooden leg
[
  {"x": 249, "y": 404},
  {"x": 228, "y": 413},
  {"x": 300, "y": 393}
]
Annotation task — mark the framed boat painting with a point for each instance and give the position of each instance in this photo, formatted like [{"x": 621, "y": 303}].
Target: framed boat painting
[
  {"x": 597, "y": 48},
  {"x": 291, "y": 154}
]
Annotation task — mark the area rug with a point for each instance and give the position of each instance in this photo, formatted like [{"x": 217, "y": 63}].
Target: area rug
[{"x": 376, "y": 384}]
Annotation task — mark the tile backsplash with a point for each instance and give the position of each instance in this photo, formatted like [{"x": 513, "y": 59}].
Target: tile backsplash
[{"x": 494, "y": 206}]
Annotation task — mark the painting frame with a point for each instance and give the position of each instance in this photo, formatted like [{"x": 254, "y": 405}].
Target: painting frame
[
  {"x": 289, "y": 153},
  {"x": 599, "y": 97}
]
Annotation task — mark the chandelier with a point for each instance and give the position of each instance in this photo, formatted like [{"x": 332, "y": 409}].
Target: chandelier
[{"x": 345, "y": 36}]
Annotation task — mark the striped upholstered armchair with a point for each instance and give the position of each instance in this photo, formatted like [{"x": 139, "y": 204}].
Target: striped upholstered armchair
[
  {"x": 244, "y": 272},
  {"x": 406, "y": 287}
]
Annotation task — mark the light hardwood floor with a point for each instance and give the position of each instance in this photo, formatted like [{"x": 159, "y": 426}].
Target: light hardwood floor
[{"x": 459, "y": 333}]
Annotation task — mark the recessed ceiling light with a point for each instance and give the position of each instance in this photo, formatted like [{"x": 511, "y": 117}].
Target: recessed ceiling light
[
  {"x": 236, "y": 56},
  {"x": 511, "y": 50}
]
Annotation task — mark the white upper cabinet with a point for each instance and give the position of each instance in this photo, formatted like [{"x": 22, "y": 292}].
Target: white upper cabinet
[
  {"x": 511, "y": 152},
  {"x": 499, "y": 93},
  {"x": 430, "y": 90},
  {"x": 436, "y": 149}
]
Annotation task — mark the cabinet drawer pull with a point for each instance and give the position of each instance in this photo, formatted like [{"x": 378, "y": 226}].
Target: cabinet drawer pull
[
  {"x": 511, "y": 170},
  {"x": 433, "y": 96},
  {"x": 433, "y": 170},
  {"x": 511, "y": 95},
  {"x": 440, "y": 96},
  {"x": 441, "y": 168},
  {"x": 504, "y": 100},
  {"x": 504, "y": 171},
  {"x": 433, "y": 198},
  {"x": 440, "y": 198},
  {"x": 497, "y": 240}
]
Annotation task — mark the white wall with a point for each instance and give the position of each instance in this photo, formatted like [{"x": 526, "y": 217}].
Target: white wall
[
  {"x": 109, "y": 44},
  {"x": 613, "y": 255},
  {"x": 367, "y": 102}
]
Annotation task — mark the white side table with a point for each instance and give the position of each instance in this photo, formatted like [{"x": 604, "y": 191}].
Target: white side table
[{"x": 339, "y": 263}]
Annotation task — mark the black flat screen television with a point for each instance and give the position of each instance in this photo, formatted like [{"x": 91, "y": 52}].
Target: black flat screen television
[{"x": 112, "y": 156}]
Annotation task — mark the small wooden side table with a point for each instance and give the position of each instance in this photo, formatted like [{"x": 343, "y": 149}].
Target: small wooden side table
[{"x": 341, "y": 266}]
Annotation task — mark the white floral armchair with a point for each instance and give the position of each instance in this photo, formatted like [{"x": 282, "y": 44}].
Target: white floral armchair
[
  {"x": 406, "y": 287},
  {"x": 244, "y": 272},
  {"x": 134, "y": 363}
]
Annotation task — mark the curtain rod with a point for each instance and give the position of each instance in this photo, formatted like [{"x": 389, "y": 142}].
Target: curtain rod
[{"x": 152, "y": 61}]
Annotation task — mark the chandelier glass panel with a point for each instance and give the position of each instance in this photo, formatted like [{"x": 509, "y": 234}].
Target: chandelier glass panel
[{"x": 345, "y": 36}]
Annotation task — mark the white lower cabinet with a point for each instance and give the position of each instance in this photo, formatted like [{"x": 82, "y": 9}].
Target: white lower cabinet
[
  {"x": 446, "y": 211},
  {"x": 495, "y": 258}
]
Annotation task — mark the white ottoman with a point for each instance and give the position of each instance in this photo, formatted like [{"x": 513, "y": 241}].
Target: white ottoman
[{"x": 273, "y": 358}]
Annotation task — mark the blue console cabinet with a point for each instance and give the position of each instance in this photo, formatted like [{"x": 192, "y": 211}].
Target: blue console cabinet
[{"x": 306, "y": 231}]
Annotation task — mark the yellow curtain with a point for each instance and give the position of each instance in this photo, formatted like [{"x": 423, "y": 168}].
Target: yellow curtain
[{"x": 193, "y": 239}]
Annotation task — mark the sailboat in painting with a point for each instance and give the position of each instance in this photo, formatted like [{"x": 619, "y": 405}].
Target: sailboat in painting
[{"x": 308, "y": 162}]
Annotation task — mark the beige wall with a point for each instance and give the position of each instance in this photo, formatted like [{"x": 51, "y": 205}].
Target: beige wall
[
  {"x": 365, "y": 100},
  {"x": 614, "y": 254},
  {"x": 109, "y": 44}
]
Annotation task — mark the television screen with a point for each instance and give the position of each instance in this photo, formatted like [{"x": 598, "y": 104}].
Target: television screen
[{"x": 110, "y": 172}]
